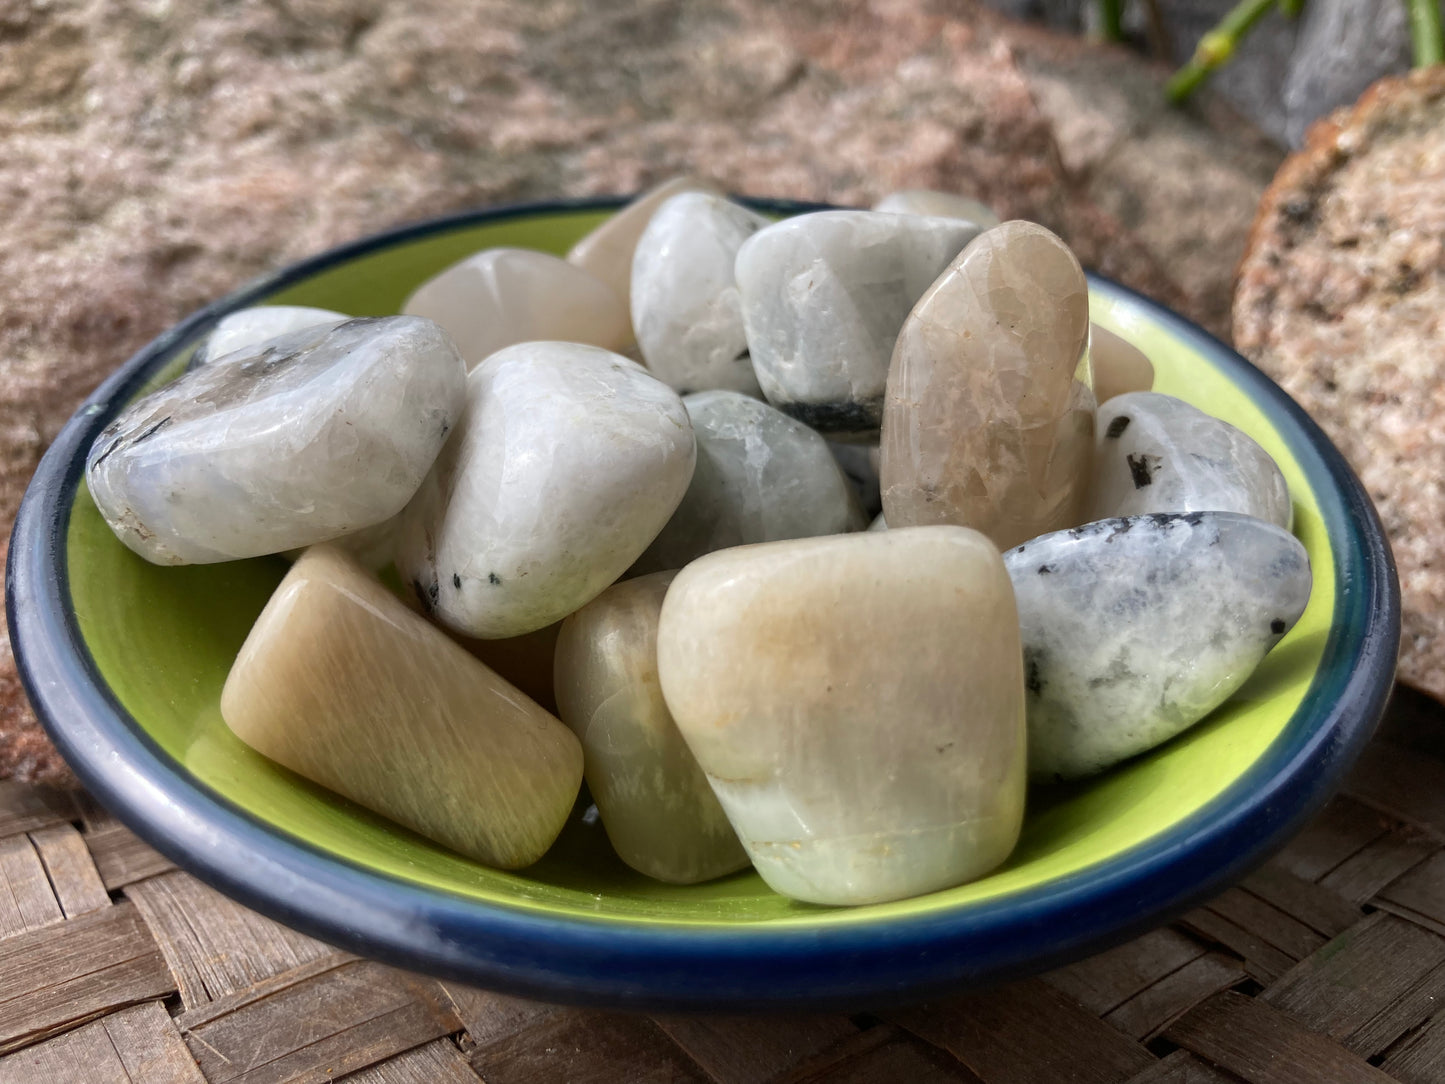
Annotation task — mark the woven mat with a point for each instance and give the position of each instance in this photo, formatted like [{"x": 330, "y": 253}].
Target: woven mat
[{"x": 1327, "y": 966}]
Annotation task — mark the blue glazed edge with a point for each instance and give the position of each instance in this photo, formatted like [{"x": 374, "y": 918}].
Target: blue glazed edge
[{"x": 636, "y": 965}]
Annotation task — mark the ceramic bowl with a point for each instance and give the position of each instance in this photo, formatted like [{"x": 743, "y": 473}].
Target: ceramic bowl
[{"x": 124, "y": 662}]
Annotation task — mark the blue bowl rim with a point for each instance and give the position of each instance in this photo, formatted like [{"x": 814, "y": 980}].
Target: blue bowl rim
[{"x": 638, "y": 965}]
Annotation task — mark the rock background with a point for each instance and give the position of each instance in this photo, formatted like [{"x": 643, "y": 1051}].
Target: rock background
[
  {"x": 157, "y": 153},
  {"x": 1287, "y": 73}
]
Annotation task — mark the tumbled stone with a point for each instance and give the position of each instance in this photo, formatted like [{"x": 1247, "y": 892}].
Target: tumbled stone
[
  {"x": 986, "y": 424},
  {"x": 526, "y": 661},
  {"x": 246, "y": 328},
  {"x": 761, "y": 476},
  {"x": 685, "y": 306},
  {"x": 1134, "y": 629},
  {"x": 923, "y": 201},
  {"x": 569, "y": 461},
  {"x": 1155, "y": 453},
  {"x": 857, "y": 704},
  {"x": 860, "y": 467},
  {"x": 606, "y": 252},
  {"x": 879, "y": 523},
  {"x": 656, "y": 805},
  {"x": 503, "y": 296},
  {"x": 1119, "y": 366},
  {"x": 343, "y": 684},
  {"x": 310, "y": 436},
  {"x": 823, "y": 298}
]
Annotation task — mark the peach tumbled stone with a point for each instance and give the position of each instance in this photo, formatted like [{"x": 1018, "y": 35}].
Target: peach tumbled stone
[
  {"x": 1119, "y": 366},
  {"x": 985, "y": 422},
  {"x": 857, "y": 702},
  {"x": 340, "y": 682},
  {"x": 659, "y": 812}
]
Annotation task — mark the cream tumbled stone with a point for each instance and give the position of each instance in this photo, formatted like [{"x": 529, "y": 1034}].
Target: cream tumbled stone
[
  {"x": 761, "y": 476},
  {"x": 301, "y": 439},
  {"x": 986, "y": 423},
  {"x": 607, "y": 251},
  {"x": 246, "y": 328},
  {"x": 503, "y": 296},
  {"x": 857, "y": 704},
  {"x": 1119, "y": 366},
  {"x": 924, "y": 201},
  {"x": 1155, "y": 453},
  {"x": 343, "y": 684},
  {"x": 1136, "y": 628},
  {"x": 823, "y": 298},
  {"x": 685, "y": 306},
  {"x": 568, "y": 462},
  {"x": 659, "y": 812}
]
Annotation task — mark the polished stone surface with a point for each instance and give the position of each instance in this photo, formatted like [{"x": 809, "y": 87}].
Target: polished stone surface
[
  {"x": 1135, "y": 629},
  {"x": 606, "y": 252},
  {"x": 986, "y": 424},
  {"x": 1119, "y": 366},
  {"x": 343, "y": 684},
  {"x": 857, "y": 704},
  {"x": 656, "y": 805},
  {"x": 246, "y": 328},
  {"x": 1155, "y": 453},
  {"x": 503, "y": 296},
  {"x": 761, "y": 476},
  {"x": 924, "y": 201},
  {"x": 314, "y": 435},
  {"x": 823, "y": 298},
  {"x": 685, "y": 305},
  {"x": 569, "y": 461}
]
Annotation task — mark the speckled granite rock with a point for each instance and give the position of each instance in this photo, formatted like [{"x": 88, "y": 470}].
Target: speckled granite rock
[
  {"x": 159, "y": 155},
  {"x": 1340, "y": 299}
]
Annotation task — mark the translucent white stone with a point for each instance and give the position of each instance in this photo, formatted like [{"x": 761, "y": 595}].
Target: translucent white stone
[
  {"x": 857, "y": 704},
  {"x": 607, "y": 251},
  {"x": 246, "y": 328},
  {"x": 568, "y": 462},
  {"x": 823, "y": 298},
  {"x": 685, "y": 306},
  {"x": 310, "y": 436},
  {"x": 660, "y": 814},
  {"x": 1135, "y": 629},
  {"x": 923, "y": 201},
  {"x": 1119, "y": 366},
  {"x": 761, "y": 476},
  {"x": 503, "y": 296},
  {"x": 1156, "y": 453},
  {"x": 343, "y": 684},
  {"x": 879, "y": 523}
]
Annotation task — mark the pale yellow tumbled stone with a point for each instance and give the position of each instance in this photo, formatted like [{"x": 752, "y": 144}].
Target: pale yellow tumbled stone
[
  {"x": 503, "y": 296},
  {"x": 927, "y": 201},
  {"x": 606, "y": 252},
  {"x": 340, "y": 682},
  {"x": 659, "y": 812},
  {"x": 1119, "y": 366},
  {"x": 857, "y": 702},
  {"x": 985, "y": 422}
]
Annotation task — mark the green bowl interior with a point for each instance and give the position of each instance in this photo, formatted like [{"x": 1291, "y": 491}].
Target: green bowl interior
[{"x": 164, "y": 639}]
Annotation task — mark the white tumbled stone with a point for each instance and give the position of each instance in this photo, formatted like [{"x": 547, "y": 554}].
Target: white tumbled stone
[
  {"x": 502, "y": 296},
  {"x": 659, "y": 812},
  {"x": 568, "y": 462},
  {"x": 857, "y": 704},
  {"x": 924, "y": 201},
  {"x": 685, "y": 306},
  {"x": 761, "y": 477},
  {"x": 1155, "y": 453},
  {"x": 823, "y": 298},
  {"x": 308, "y": 437},
  {"x": 245, "y": 328},
  {"x": 1134, "y": 629},
  {"x": 607, "y": 251}
]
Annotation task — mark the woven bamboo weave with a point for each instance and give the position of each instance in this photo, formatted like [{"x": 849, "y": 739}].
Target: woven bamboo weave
[{"x": 1326, "y": 966}]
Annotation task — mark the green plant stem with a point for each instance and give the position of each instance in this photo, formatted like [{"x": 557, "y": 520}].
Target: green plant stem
[
  {"x": 1111, "y": 20},
  {"x": 1216, "y": 47},
  {"x": 1425, "y": 32}
]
